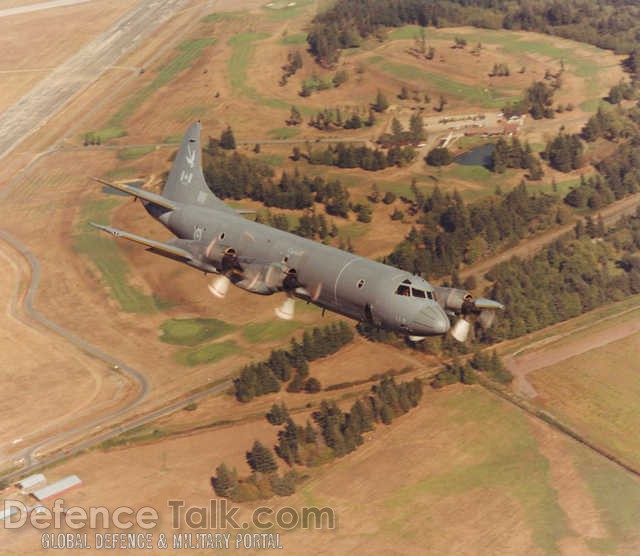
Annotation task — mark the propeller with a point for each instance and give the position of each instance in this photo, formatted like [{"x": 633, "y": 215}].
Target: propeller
[
  {"x": 287, "y": 310},
  {"x": 220, "y": 286},
  {"x": 461, "y": 302},
  {"x": 290, "y": 283}
]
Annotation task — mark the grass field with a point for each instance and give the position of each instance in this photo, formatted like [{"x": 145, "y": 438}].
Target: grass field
[
  {"x": 581, "y": 60},
  {"x": 209, "y": 353},
  {"x": 271, "y": 331},
  {"x": 477, "y": 96},
  {"x": 243, "y": 47},
  {"x": 105, "y": 254},
  {"x": 296, "y": 39},
  {"x": 479, "y": 458},
  {"x": 121, "y": 173},
  {"x": 131, "y": 153},
  {"x": 616, "y": 496},
  {"x": 283, "y": 132},
  {"x": 597, "y": 393},
  {"x": 191, "y": 332}
]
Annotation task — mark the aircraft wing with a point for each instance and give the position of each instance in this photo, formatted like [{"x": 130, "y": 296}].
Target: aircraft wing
[
  {"x": 163, "y": 248},
  {"x": 140, "y": 193}
]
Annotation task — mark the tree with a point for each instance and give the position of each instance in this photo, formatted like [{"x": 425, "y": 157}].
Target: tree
[
  {"x": 227, "y": 140},
  {"x": 381, "y": 103},
  {"x": 261, "y": 459},
  {"x": 416, "y": 128},
  {"x": 224, "y": 482},
  {"x": 312, "y": 385},
  {"x": 278, "y": 414},
  {"x": 295, "y": 118},
  {"x": 389, "y": 197},
  {"x": 439, "y": 156}
]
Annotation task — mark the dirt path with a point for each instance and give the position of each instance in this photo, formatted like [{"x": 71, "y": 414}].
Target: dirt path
[{"x": 542, "y": 356}]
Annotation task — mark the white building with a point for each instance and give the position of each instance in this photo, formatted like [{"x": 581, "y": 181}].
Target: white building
[
  {"x": 32, "y": 481},
  {"x": 54, "y": 489}
]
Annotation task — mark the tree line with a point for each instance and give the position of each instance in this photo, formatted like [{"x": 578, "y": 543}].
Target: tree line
[
  {"x": 334, "y": 433},
  {"x": 456, "y": 371},
  {"x": 292, "y": 366},
  {"x": 352, "y": 156},
  {"x": 238, "y": 176}
]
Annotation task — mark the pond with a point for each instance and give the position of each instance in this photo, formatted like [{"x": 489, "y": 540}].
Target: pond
[{"x": 479, "y": 156}]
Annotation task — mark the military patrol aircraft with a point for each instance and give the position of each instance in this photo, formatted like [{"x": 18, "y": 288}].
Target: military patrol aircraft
[{"x": 215, "y": 238}]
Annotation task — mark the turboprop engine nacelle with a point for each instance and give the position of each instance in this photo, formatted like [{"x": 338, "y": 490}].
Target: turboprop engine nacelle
[
  {"x": 461, "y": 302},
  {"x": 454, "y": 300}
]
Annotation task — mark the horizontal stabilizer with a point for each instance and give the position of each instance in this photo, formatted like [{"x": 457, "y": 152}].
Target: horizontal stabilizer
[
  {"x": 140, "y": 193},
  {"x": 155, "y": 245}
]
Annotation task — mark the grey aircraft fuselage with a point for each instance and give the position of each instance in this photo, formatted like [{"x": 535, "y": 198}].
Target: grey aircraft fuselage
[
  {"x": 215, "y": 238},
  {"x": 339, "y": 281}
]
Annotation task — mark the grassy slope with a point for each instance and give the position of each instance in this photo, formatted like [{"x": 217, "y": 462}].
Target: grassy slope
[
  {"x": 191, "y": 332},
  {"x": 105, "y": 255}
]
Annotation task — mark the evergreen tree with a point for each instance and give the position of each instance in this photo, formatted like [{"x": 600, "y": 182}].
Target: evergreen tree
[
  {"x": 261, "y": 459},
  {"x": 227, "y": 140},
  {"x": 224, "y": 481},
  {"x": 381, "y": 103}
]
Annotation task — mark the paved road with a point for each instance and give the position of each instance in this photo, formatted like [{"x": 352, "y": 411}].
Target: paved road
[{"x": 44, "y": 100}]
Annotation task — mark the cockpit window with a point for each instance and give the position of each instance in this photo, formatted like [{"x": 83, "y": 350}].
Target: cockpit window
[
  {"x": 403, "y": 290},
  {"x": 418, "y": 293},
  {"x": 430, "y": 294}
]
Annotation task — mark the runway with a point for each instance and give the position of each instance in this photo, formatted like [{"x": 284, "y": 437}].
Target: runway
[{"x": 51, "y": 93}]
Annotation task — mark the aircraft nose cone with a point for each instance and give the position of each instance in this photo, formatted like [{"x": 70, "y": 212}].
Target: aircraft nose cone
[{"x": 431, "y": 320}]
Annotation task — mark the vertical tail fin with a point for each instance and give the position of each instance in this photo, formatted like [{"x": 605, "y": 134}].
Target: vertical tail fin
[{"x": 186, "y": 183}]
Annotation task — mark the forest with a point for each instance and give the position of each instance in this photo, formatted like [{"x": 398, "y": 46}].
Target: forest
[
  {"x": 453, "y": 232},
  {"x": 590, "y": 267}
]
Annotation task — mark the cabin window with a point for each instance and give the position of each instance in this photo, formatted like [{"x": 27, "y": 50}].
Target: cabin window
[
  {"x": 222, "y": 235},
  {"x": 418, "y": 293},
  {"x": 403, "y": 290},
  {"x": 361, "y": 283}
]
